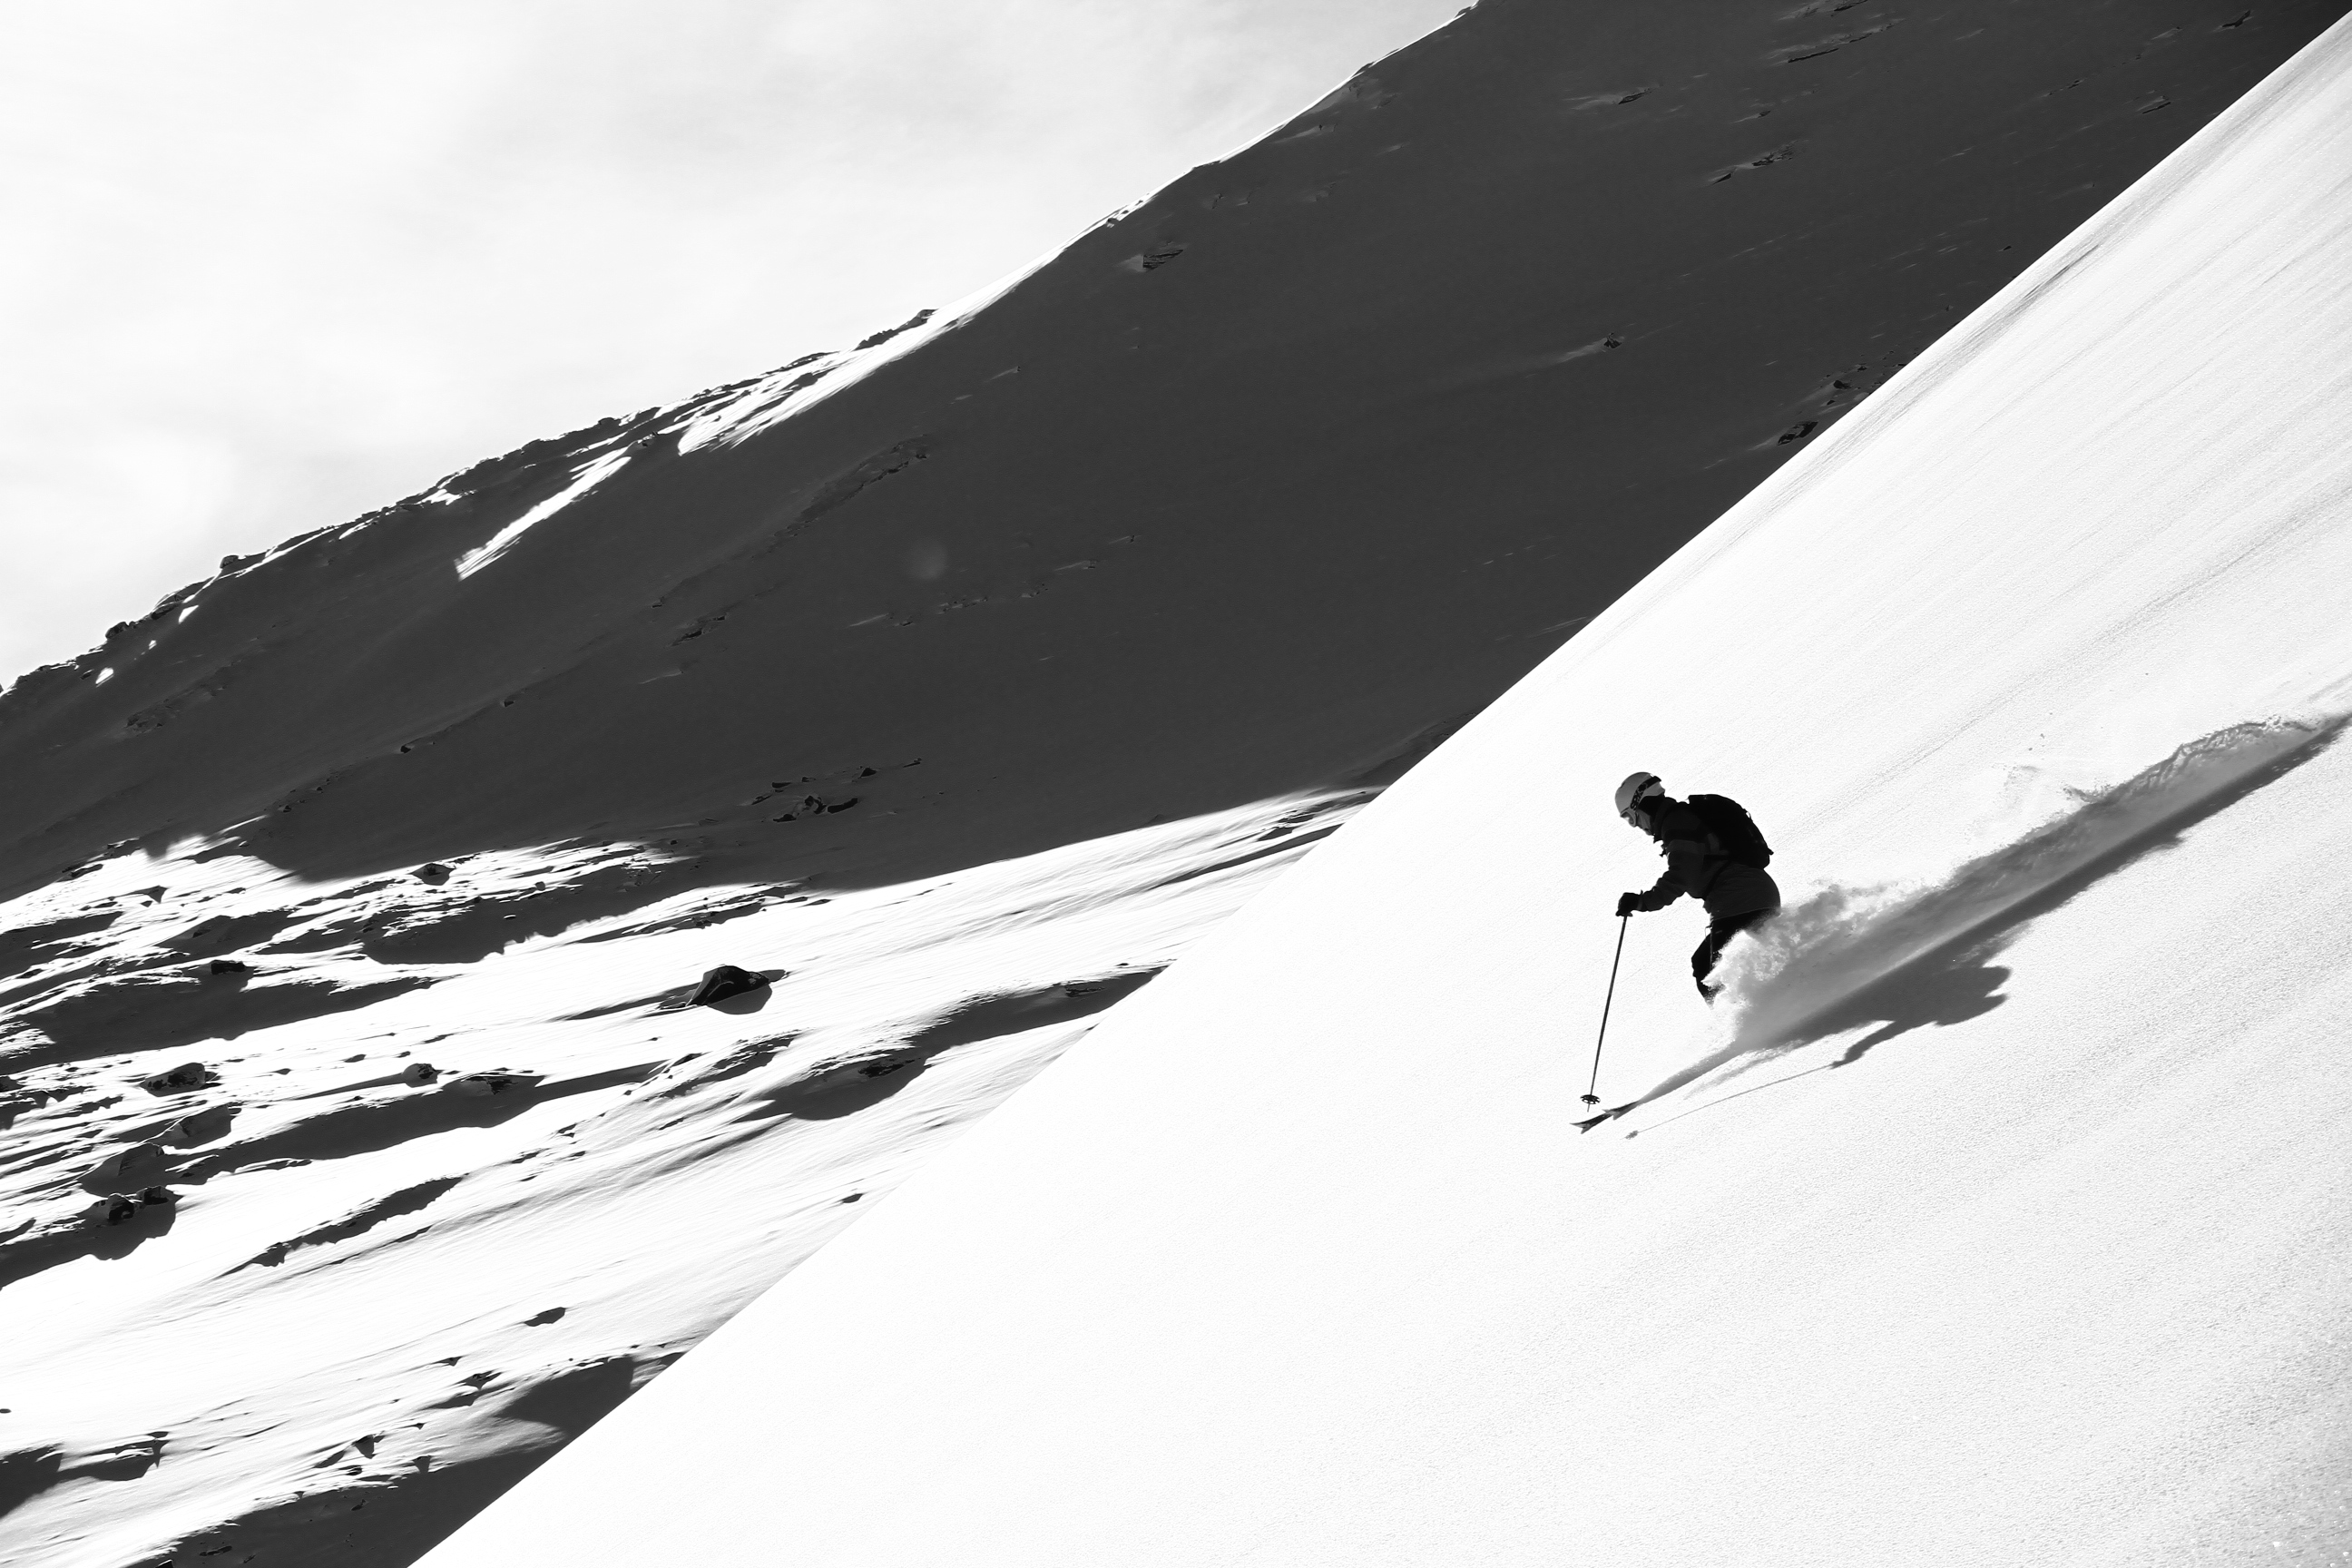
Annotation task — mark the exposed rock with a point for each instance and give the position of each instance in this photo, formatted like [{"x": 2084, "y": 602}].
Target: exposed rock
[
  {"x": 136, "y": 1166},
  {"x": 719, "y": 983},
  {"x": 186, "y": 1076},
  {"x": 200, "y": 1126},
  {"x": 482, "y": 1085}
]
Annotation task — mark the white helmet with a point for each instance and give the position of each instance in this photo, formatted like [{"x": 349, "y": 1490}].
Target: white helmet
[{"x": 1637, "y": 787}]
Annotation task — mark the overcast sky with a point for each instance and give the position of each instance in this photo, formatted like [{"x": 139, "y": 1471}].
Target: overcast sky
[{"x": 272, "y": 263}]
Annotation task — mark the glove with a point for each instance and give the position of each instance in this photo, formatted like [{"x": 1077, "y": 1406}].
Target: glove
[{"x": 1628, "y": 903}]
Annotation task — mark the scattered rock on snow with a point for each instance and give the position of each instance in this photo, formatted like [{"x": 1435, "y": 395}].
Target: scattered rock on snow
[
  {"x": 121, "y": 1208},
  {"x": 482, "y": 1085},
  {"x": 186, "y": 1076},
  {"x": 136, "y": 1166},
  {"x": 433, "y": 873},
  {"x": 200, "y": 1126},
  {"x": 719, "y": 983},
  {"x": 416, "y": 1075},
  {"x": 124, "y": 1461}
]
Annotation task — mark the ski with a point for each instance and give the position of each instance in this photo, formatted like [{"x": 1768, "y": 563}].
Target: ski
[{"x": 1612, "y": 1114}]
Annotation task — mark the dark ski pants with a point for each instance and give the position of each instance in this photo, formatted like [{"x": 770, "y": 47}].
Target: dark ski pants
[{"x": 1721, "y": 930}]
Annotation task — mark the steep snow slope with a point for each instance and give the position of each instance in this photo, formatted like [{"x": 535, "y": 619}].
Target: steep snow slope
[
  {"x": 1160, "y": 560},
  {"x": 2035, "y": 671}
]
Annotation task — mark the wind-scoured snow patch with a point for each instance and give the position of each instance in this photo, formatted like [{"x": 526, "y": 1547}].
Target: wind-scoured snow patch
[
  {"x": 768, "y": 400},
  {"x": 1826, "y": 964},
  {"x": 595, "y": 473},
  {"x": 732, "y": 415}
]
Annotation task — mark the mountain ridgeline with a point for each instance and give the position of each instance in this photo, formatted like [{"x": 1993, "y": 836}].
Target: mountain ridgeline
[{"x": 1260, "y": 487}]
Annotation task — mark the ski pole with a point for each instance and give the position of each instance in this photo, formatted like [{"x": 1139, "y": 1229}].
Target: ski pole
[{"x": 1589, "y": 1097}]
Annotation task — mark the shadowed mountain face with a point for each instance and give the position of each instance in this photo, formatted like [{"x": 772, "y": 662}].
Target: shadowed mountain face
[{"x": 1254, "y": 489}]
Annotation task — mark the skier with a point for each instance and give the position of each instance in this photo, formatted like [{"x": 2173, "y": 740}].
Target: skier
[{"x": 1712, "y": 852}]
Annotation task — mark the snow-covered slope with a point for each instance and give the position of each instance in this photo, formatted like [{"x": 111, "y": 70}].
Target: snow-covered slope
[
  {"x": 2008, "y": 1227},
  {"x": 952, "y": 681},
  {"x": 433, "y": 1213}
]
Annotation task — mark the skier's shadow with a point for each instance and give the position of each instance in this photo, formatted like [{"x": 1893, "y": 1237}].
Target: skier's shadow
[
  {"x": 1937, "y": 990},
  {"x": 1957, "y": 981}
]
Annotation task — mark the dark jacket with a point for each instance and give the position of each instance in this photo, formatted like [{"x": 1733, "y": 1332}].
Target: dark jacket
[{"x": 1696, "y": 865}]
